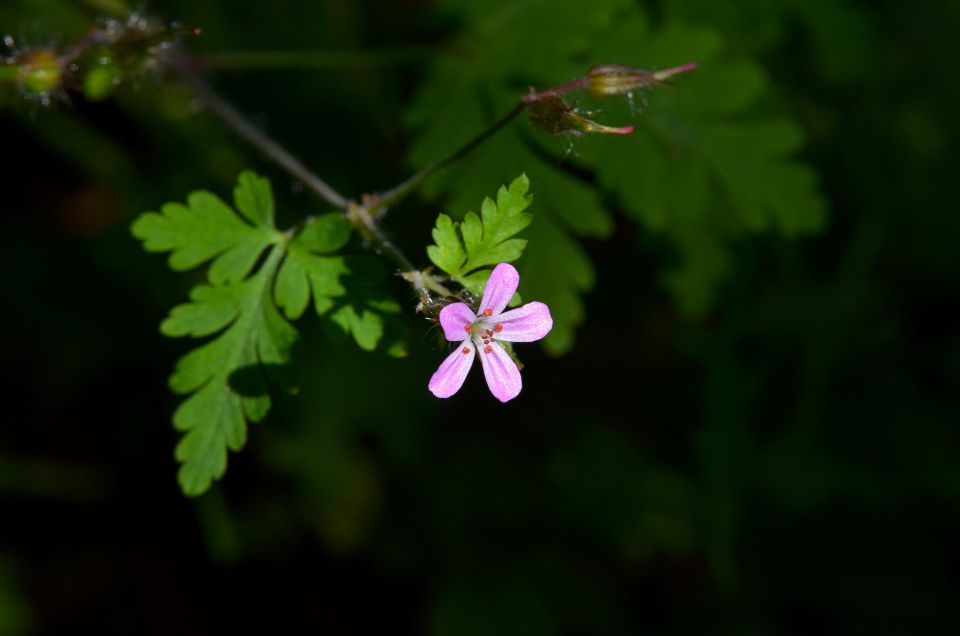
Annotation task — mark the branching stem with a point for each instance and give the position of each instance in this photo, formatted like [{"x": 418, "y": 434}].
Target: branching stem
[
  {"x": 358, "y": 214},
  {"x": 363, "y": 215}
]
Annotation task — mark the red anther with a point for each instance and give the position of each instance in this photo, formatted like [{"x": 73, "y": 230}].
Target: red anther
[
  {"x": 487, "y": 312},
  {"x": 488, "y": 350},
  {"x": 466, "y": 349},
  {"x": 468, "y": 328},
  {"x": 498, "y": 328}
]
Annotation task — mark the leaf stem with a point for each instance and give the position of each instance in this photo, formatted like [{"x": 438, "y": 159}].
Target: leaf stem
[
  {"x": 384, "y": 201},
  {"x": 396, "y": 194}
]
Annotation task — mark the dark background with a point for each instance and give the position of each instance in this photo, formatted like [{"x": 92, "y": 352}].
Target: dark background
[{"x": 785, "y": 465}]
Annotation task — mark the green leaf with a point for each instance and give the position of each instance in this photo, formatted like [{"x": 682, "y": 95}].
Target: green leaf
[
  {"x": 211, "y": 309},
  {"x": 345, "y": 291},
  {"x": 699, "y": 172},
  {"x": 254, "y": 199},
  {"x": 206, "y": 228},
  {"x": 227, "y": 376},
  {"x": 484, "y": 240},
  {"x": 488, "y": 241},
  {"x": 327, "y": 233},
  {"x": 476, "y": 282},
  {"x": 307, "y": 267},
  {"x": 448, "y": 254},
  {"x": 364, "y": 312},
  {"x": 704, "y": 264}
]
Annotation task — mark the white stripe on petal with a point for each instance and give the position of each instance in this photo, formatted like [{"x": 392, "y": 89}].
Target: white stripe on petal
[
  {"x": 453, "y": 371},
  {"x": 502, "y": 374},
  {"x": 525, "y": 324},
  {"x": 454, "y": 318},
  {"x": 501, "y": 286}
]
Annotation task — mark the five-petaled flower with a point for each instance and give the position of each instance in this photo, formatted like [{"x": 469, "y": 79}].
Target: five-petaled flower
[{"x": 477, "y": 335}]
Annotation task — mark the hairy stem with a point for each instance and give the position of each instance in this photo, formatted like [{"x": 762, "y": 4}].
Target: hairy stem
[
  {"x": 555, "y": 91},
  {"x": 391, "y": 197},
  {"x": 364, "y": 215},
  {"x": 401, "y": 191},
  {"x": 359, "y": 214},
  {"x": 260, "y": 140}
]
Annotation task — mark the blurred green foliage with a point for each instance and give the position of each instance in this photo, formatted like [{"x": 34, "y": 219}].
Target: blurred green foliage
[
  {"x": 778, "y": 458},
  {"x": 707, "y": 164}
]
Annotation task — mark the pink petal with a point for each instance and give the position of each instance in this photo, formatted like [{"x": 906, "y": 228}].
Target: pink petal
[
  {"x": 503, "y": 376},
  {"x": 454, "y": 318},
  {"x": 453, "y": 371},
  {"x": 525, "y": 324},
  {"x": 500, "y": 288}
]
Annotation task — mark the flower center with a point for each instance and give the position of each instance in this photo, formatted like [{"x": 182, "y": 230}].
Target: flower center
[{"x": 483, "y": 334}]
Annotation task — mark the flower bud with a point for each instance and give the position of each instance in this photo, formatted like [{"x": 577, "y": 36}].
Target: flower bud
[
  {"x": 551, "y": 114},
  {"x": 610, "y": 80},
  {"x": 39, "y": 71}
]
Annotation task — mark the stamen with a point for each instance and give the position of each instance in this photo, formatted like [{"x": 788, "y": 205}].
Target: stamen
[
  {"x": 466, "y": 349},
  {"x": 488, "y": 349},
  {"x": 468, "y": 327},
  {"x": 487, "y": 312},
  {"x": 498, "y": 328}
]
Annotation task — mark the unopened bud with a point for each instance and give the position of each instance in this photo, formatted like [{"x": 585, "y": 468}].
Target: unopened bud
[
  {"x": 551, "y": 114},
  {"x": 610, "y": 80},
  {"x": 39, "y": 71}
]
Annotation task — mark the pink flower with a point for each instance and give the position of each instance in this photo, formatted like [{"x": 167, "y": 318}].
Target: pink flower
[{"x": 477, "y": 336}]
